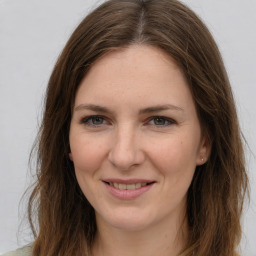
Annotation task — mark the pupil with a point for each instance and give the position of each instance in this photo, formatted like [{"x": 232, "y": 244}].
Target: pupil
[
  {"x": 159, "y": 121},
  {"x": 97, "y": 120}
]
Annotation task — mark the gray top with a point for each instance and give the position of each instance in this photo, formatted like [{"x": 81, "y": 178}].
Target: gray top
[{"x": 24, "y": 251}]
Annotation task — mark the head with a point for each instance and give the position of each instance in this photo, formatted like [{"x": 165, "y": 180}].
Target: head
[{"x": 215, "y": 195}]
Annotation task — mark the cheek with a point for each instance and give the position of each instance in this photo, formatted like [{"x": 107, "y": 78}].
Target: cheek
[
  {"x": 176, "y": 157},
  {"x": 87, "y": 154}
]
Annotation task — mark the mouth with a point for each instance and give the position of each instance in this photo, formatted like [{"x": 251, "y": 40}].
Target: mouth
[
  {"x": 130, "y": 186},
  {"x": 128, "y": 189}
]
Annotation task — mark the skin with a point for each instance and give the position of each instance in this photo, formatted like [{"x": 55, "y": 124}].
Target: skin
[{"x": 127, "y": 141}]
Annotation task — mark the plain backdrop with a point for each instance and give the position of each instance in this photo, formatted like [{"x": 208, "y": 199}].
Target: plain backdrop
[{"x": 32, "y": 34}]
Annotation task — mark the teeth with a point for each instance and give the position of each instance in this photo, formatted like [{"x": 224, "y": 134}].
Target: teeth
[
  {"x": 122, "y": 186},
  {"x": 131, "y": 186},
  {"x": 127, "y": 186},
  {"x": 138, "y": 185}
]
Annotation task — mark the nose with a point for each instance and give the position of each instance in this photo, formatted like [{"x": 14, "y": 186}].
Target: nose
[{"x": 126, "y": 149}]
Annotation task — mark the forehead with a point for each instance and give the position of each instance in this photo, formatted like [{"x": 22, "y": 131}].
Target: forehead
[
  {"x": 144, "y": 57},
  {"x": 133, "y": 75}
]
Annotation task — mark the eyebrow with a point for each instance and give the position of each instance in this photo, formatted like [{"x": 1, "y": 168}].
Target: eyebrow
[
  {"x": 160, "y": 108},
  {"x": 97, "y": 108},
  {"x": 92, "y": 107}
]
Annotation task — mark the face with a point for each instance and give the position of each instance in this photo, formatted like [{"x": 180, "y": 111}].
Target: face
[{"x": 135, "y": 138}]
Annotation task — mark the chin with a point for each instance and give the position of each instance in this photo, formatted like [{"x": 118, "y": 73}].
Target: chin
[
  {"x": 129, "y": 225},
  {"x": 127, "y": 220}
]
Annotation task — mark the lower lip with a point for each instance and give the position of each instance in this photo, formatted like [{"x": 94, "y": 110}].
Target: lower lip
[{"x": 127, "y": 194}]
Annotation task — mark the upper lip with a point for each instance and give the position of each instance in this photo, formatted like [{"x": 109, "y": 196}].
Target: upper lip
[{"x": 129, "y": 181}]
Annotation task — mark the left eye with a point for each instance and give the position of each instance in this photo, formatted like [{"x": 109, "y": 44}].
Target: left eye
[{"x": 161, "y": 121}]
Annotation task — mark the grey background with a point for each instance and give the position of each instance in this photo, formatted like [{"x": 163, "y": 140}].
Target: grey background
[{"x": 32, "y": 34}]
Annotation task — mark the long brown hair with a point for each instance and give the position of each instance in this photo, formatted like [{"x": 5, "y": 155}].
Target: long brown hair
[{"x": 65, "y": 220}]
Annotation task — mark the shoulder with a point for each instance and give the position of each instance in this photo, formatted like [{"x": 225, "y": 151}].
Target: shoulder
[{"x": 24, "y": 251}]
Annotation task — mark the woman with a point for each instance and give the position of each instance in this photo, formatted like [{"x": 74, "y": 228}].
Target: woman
[{"x": 140, "y": 151}]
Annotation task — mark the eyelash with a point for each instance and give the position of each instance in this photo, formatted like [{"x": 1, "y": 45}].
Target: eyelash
[
  {"x": 167, "y": 121},
  {"x": 88, "y": 120}
]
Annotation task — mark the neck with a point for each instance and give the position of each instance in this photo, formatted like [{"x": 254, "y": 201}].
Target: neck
[{"x": 163, "y": 239}]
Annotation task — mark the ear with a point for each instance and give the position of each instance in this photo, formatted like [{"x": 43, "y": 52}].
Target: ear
[
  {"x": 204, "y": 151},
  {"x": 70, "y": 156}
]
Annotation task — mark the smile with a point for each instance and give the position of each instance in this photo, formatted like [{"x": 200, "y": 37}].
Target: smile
[
  {"x": 127, "y": 186},
  {"x": 128, "y": 189}
]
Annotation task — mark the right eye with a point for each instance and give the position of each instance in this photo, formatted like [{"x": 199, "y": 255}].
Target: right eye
[{"x": 94, "y": 121}]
